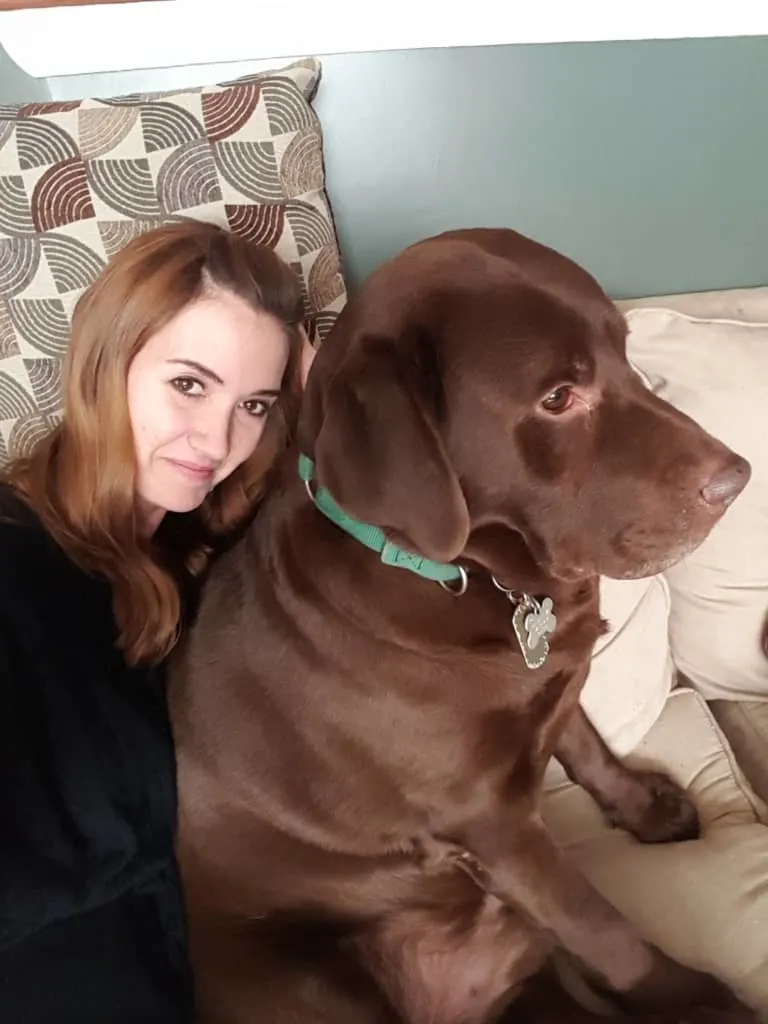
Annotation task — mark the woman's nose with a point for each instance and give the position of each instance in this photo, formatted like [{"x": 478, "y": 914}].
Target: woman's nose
[{"x": 212, "y": 434}]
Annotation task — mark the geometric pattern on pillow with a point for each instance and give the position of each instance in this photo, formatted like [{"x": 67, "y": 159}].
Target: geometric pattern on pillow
[{"x": 79, "y": 179}]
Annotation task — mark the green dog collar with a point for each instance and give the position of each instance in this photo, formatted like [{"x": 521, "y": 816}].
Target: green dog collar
[{"x": 373, "y": 537}]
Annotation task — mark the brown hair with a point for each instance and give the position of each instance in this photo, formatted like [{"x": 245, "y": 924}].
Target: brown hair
[{"x": 80, "y": 480}]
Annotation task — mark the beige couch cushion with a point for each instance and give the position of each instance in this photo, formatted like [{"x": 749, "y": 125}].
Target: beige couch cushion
[
  {"x": 717, "y": 372},
  {"x": 704, "y": 902},
  {"x": 728, "y": 303},
  {"x": 632, "y": 672},
  {"x": 745, "y": 723}
]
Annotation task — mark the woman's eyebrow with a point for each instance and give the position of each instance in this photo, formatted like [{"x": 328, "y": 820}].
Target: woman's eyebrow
[{"x": 204, "y": 371}]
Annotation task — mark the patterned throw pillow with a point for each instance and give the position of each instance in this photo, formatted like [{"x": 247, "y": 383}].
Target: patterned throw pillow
[{"x": 80, "y": 179}]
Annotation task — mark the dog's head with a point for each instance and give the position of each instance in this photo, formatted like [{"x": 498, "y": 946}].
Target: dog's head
[{"x": 477, "y": 387}]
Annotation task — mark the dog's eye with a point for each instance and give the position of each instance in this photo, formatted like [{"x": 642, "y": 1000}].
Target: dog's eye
[{"x": 558, "y": 400}]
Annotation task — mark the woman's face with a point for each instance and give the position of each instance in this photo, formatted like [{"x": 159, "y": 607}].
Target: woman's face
[{"x": 198, "y": 396}]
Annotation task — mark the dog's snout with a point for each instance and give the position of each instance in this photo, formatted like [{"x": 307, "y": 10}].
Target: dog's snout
[{"x": 727, "y": 483}]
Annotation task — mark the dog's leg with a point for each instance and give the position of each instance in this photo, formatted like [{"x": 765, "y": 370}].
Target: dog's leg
[
  {"x": 264, "y": 974},
  {"x": 545, "y": 1001},
  {"x": 516, "y": 860},
  {"x": 460, "y": 961},
  {"x": 648, "y": 804}
]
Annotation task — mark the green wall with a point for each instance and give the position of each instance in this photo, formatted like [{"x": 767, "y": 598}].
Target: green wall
[
  {"x": 16, "y": 86},
  {"x": 647, "y": 162}
]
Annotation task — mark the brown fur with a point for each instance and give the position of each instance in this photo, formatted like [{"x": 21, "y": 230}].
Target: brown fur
[{"x": 361, "y": 753}]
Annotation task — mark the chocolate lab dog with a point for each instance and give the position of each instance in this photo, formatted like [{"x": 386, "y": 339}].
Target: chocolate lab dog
[{"x": 383, "y": 665}]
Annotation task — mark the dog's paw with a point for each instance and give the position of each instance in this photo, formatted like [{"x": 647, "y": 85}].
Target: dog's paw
[
  {"x": 685, "y": 996},
  {"x": 704, "y": 998},
  {"x": 656, "y": 810},
  {"x": 706, "y": 1015},
  {"x": 669, "y": 993},
  {"x": 717, "y": 998}
]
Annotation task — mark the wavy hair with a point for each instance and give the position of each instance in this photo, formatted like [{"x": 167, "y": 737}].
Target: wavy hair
[{"x": 80, "y": 480}]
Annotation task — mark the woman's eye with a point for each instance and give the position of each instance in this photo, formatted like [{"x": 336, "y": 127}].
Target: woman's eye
[
  {"x": 188, "y": 386},
  {"x": 559, "y": 399},
  {"x": 257, "y": 407}
]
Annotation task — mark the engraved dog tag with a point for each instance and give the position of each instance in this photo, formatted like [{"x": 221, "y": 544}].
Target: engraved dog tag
[{"x": 533, "y": 624}]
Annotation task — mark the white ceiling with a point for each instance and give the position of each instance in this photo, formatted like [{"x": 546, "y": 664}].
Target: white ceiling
[{"x": 48, "y": 42}]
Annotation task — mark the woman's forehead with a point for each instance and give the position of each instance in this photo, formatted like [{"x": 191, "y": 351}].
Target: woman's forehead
[{"x": 241, "y": 346}]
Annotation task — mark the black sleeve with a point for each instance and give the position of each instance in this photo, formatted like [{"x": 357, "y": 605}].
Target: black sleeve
[
  {"x": 77, "y": 735},
  {"x": 91, "y": 911},
  {"x": 60, "y": 841}
]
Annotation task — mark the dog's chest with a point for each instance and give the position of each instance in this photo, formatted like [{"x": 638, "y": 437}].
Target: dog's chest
[
  {"x": 436, "y": 744},
  {"x": 489, "y": 724},
  {"x": 369, "y": 735}
]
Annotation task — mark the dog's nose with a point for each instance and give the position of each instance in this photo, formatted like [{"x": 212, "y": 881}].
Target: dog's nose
[{"x": 727, "y": 483}]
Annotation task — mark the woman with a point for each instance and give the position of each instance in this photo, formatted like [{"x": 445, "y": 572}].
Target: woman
[{"x": 179, "y": 386}]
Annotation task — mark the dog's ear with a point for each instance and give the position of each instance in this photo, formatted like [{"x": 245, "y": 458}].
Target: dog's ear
[{"x": 376, "y": 447}]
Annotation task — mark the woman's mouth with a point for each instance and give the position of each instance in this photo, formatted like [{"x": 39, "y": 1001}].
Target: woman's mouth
[{"x": 194, "y": 470}]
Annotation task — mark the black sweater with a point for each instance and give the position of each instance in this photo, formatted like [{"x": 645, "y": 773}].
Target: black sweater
[{"x": 91, "y": 914}]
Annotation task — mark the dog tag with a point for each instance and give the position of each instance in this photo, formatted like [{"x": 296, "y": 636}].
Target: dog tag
[{"x": 533, "y": 624}]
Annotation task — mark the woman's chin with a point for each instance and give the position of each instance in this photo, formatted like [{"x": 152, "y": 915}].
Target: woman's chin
[{"x": 178, "y": 500}]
